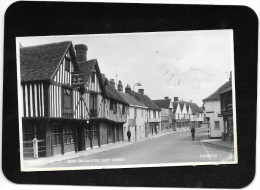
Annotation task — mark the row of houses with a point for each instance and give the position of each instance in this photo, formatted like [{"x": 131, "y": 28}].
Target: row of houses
[
  {"x": 179, "y": 114},
  {"x": 68, "y": 105},
  {"x": 219, "y": 112}
]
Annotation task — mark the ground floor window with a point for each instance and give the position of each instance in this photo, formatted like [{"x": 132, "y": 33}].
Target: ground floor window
[
  {"x": 56, "y": 135},
  {"x": 91, "y": 132},
  {"x": 87, "y": 133},
  {"x": 68, "y": 135},
  {"x": 95, "y": 132},
  {"x": 216, "y": 125}
]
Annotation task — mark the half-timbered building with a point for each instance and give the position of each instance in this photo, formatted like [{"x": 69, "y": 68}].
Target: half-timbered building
[
  {"x": 115, "y": 114},
  {"x": 60, "y": 116},
  {"x": 52, "y": 108}
]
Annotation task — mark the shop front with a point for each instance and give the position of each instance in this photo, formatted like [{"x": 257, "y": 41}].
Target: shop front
[{"x": 228, "y": 121}]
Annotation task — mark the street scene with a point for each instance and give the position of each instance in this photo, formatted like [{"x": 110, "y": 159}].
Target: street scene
[
  {"x": 126, "y": 100},
  {"x": 175, "y": 148}
]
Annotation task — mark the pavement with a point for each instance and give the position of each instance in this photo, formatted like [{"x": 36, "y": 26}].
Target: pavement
[
  {"x": 174, "y": 147},
  {"x": 219, "y": 143},
  {"x": 71, "y": 155}
]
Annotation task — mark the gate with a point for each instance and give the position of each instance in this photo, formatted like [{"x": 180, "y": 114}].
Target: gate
[{"x": 34, "y": 148}]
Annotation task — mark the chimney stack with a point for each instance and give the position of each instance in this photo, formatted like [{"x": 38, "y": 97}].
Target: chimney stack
[
  {"x": 230, "y": 76},
  {"x": 141, "y": 91},
  {"x": 176, "y": 99},
  {"x": 112, "y": 82},
  {"x": 190, "y": 101},
  {"x": 81, "y": 52},
  {"x": 127, "y": 89},
  {"x": 166, "y": 97},
  {"x": 120, "y": 86}
]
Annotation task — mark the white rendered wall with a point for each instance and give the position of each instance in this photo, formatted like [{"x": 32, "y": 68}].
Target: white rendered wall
[{"x": 214, "y": 107}]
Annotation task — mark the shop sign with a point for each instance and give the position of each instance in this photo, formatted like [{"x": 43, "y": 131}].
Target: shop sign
[{"x": 77, "y": 79}]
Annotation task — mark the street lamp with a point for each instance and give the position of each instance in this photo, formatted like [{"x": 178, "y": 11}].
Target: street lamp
[{"x": 137, "y": 84}]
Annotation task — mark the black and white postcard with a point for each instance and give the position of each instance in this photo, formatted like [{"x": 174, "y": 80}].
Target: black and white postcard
[
  {"x": 129, "y": 94},
  {"x": 127, "y": 100}
]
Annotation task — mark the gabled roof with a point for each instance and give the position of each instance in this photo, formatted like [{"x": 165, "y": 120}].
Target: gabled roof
[
  {"x": 131, "y": 100},
  {"x": 163, "y": 103},
  {"x": 88, "y": 67},
  {"x": 227, "y": 90},
  {"x": 175, "y": 105},
  {"x": 187, "y": 107},
  {"x": 111, "y": 92},
  {"x": 215, "y": 95},
  {"x": 145, "y": 99},
  {"x": 40, "y": 62},
  {"x": 195, "y": 108},
  {"x": 181, "y": 104}
]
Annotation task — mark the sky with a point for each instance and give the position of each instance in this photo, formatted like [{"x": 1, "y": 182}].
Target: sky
[{"x": 190, "y": 65}]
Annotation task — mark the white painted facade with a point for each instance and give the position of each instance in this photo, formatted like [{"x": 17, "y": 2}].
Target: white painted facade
[
  {"x": 177, "y": 114},
  {"x": 184, "y": 112},
  {"x": 189, "y": 113},
  {"x": 141, "y": 119},
  {"x": 212, "y": 110}
]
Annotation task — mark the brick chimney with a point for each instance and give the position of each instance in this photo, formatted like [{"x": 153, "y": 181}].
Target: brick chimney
[
  {"x": 141, "y": 91},
  {"x": 166, "y": 97},
  {"x": 120, "y": 86},
  {"x": 112, "y": 82},
  {"x": 176, "y": 99},
  {"x": 230, "y": 76},
  {"x": 81, "y": 52},
  {"x": 127, "y": 89}
]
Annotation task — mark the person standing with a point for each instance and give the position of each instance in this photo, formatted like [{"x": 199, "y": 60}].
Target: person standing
[{"x": 129, "y": 135}]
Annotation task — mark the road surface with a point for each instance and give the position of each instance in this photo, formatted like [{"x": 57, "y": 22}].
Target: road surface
[{"x": 171, "y": 148}]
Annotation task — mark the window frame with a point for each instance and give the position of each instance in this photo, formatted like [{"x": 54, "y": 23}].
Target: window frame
[
  {"x": 68, "y": 135},
  {"x": 67, "y": 64},
  {"x": 67, "y": 98},
  {"x": 154, "y": 114},
  {"x": 94, "y": 131},
  {"x": 123, "y": 109},
  {"x": 56, "y": 134},
  {"x": 93, "y": 101},
  {"x": 115, "y": 108},
  {"x": 93, "y": 78},
  {"x": 216, "y": 128}
]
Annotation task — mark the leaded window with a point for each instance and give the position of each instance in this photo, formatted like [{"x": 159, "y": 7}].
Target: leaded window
[
  {"x": 68, "y": 135},
  {"x": 56, "y": 135},
  {"x": 67, "y": 99}
]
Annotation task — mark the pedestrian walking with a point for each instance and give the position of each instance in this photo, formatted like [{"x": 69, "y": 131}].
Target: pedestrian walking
[
  {"x": 193, "y": 133},
  {"x": 129, "y": 135}
]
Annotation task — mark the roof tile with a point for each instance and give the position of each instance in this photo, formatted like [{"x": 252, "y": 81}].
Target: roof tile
[{"x": 40, "y": 62}]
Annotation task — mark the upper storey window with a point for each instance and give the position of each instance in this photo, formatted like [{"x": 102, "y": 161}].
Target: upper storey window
[
  {"x": 93, "y": 77},
  {"x": 67, "y": 100},
  {"x": 67, "y": 64}
]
